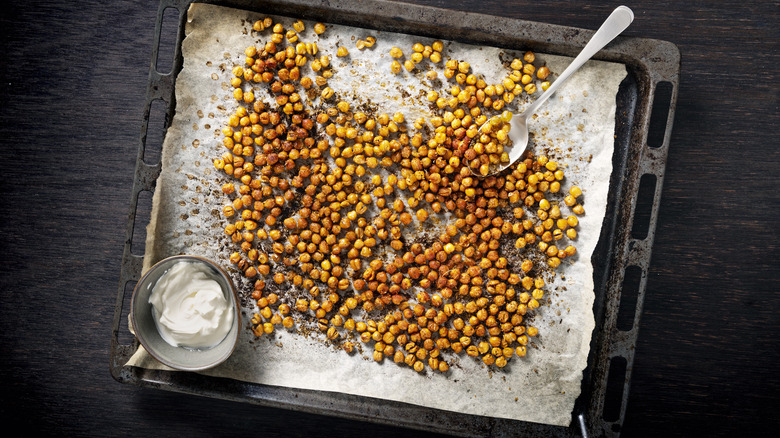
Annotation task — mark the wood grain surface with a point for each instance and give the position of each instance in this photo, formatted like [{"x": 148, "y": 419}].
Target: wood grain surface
[{"x": 72, "y": 85}]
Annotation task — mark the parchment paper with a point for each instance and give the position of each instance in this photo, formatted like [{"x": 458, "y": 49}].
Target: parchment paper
[{"x": 576, "y": 127}]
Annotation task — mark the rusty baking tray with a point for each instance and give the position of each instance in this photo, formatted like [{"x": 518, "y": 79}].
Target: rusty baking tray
[{"x": 645, "y": 110}]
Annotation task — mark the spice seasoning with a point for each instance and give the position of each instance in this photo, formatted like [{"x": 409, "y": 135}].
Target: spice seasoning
[{"x": 339, "y": 205}]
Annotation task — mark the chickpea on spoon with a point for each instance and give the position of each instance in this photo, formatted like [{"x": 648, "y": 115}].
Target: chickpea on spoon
[{"x": 513, "y": 129}]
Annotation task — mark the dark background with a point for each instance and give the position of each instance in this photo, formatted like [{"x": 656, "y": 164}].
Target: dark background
[{"x": 72, "y": 86}]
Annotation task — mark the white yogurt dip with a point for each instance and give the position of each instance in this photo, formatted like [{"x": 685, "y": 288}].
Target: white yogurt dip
[{"x": 190, "y": 308}]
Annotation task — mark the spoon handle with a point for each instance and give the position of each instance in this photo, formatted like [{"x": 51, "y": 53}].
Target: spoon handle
[{"x": 614, "y": 25}]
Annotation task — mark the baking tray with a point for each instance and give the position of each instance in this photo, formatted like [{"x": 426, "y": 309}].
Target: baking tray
[{"x": 646, "y": 102}]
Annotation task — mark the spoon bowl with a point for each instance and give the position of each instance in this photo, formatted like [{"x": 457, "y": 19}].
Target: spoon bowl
[{"x": 613, "y": 26}]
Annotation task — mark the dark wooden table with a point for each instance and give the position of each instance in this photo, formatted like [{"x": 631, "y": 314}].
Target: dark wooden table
[{"x": 73, "y": 79}]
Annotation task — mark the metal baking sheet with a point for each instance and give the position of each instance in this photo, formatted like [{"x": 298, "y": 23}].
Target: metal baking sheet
[{"x": 645, "y": 110}]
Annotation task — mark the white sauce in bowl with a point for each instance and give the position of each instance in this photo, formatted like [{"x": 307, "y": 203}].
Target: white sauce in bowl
[{"x": 190, "y": 308}]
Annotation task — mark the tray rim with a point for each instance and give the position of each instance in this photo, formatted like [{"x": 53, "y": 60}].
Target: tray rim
[{"x": 652, "y": 61}]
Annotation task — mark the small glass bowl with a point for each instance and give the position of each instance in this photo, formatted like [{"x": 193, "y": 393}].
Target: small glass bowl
[{"x": 181, "y": 358}]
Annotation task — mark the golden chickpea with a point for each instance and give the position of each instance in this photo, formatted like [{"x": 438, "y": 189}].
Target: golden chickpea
[{"x": 543, "y": 72}]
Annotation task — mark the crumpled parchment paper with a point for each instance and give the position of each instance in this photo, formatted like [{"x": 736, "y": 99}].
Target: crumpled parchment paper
[{"x": 576, "y": 127}]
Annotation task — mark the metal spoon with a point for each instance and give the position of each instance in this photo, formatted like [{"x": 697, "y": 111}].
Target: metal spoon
[{"x": 614, "y": 25}]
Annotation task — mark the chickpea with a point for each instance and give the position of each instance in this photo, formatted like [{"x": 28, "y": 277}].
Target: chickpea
[{"x": 543, "y": 73}]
